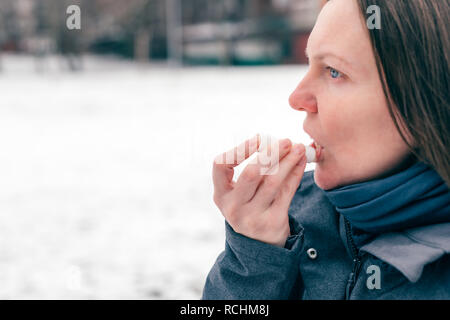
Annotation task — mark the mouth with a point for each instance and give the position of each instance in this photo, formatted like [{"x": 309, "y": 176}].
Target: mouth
[{"x": 319, "y": 150}]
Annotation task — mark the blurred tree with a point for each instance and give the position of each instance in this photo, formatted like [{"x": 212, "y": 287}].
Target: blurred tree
[{"x": 155, "y": 29}]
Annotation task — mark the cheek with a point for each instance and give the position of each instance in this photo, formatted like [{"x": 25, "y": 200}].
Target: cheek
[
  {"x": 360, "y": 135},
  {"x": 341, "y": 123}
]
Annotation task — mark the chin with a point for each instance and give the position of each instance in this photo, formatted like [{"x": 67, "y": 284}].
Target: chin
[{"x": 323, "y": 179}]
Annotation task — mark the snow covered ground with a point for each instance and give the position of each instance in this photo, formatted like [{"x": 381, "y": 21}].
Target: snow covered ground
[{"x": 105, "y": 174}]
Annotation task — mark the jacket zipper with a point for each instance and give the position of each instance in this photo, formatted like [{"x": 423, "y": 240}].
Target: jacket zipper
[{"x": 356, "y": 260}]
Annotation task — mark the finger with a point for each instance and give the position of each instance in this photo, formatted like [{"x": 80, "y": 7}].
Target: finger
[
  {"x": 271, "y": 184},
  {"x": 224, "y": 163},
  {"x": 252, "y": 175},
  {"x": 290, "y": 186}
]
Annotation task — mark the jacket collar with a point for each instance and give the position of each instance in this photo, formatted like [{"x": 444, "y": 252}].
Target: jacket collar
[{"x": 411, "y": 250}]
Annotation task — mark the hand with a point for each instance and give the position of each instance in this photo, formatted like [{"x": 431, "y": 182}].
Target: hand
[{"x": 256, "y": 205}]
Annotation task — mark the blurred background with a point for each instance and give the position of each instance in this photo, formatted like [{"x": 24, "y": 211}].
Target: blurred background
[{"x": 108, "y": 134}]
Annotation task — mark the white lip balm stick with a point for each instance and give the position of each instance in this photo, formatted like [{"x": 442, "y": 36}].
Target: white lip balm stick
[{"x": 310, "y": 154}]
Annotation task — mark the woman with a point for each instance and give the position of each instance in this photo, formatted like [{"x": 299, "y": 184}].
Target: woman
[{"x": 372, "y": 221}]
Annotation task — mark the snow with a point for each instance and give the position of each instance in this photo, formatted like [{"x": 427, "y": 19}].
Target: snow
[{"x": 106, "y": 188}]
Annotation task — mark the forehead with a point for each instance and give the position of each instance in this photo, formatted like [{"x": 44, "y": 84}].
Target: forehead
[{"x": 341, "y": 29}]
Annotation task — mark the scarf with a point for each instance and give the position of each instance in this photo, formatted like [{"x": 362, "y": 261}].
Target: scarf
[{"x": 412, "y": 197}]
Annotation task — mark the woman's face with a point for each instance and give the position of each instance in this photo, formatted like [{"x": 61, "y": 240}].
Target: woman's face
[{"x": 347, "y": 113}]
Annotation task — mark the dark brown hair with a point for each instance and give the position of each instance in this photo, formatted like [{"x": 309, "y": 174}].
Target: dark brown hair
[{"x": 412, "y": 55}]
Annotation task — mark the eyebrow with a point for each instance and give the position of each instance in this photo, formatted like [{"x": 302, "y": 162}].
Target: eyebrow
[{"x": 322, "y": 55}]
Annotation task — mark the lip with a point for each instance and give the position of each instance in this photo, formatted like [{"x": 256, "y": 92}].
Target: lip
[{"x": 318, "y": 151}]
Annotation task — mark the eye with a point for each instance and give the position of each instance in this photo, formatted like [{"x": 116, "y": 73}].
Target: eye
[{"x": 334, "y": 73}]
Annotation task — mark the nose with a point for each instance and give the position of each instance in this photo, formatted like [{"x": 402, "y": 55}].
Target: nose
[{"x": 303, "y": 97}]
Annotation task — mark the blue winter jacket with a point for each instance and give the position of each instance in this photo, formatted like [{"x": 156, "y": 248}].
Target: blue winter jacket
[{"x": 321, "y": 261}]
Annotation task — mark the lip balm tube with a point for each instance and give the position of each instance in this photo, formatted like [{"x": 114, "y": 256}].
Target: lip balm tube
[{"x": 310, "y": 154}]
